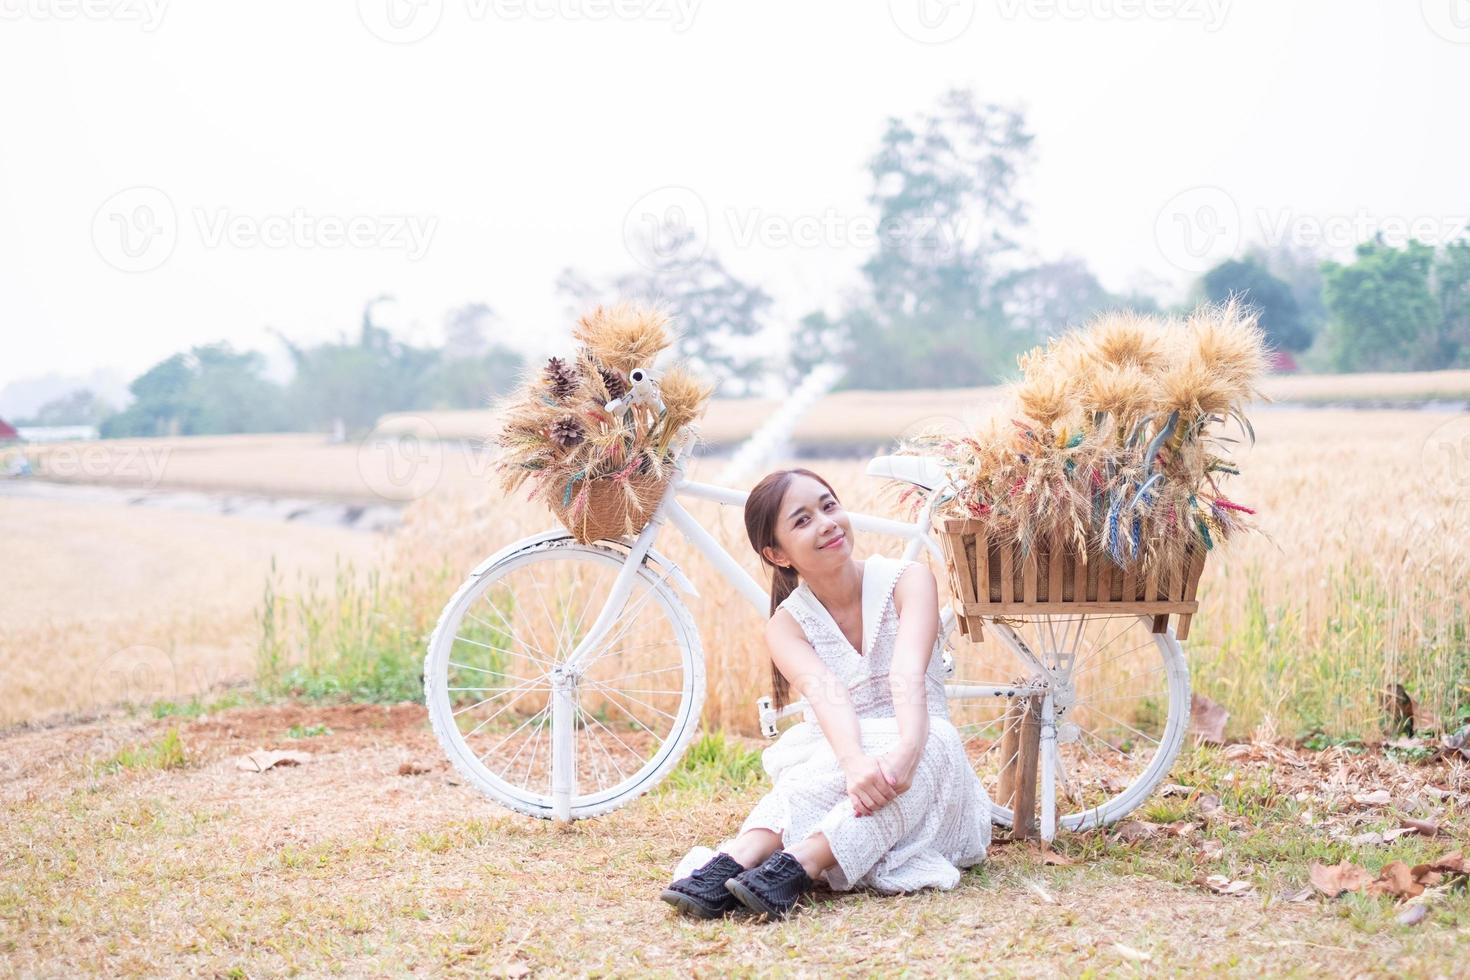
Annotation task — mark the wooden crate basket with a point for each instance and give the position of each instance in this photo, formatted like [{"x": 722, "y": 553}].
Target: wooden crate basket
[{"x": 991, "y": 579}]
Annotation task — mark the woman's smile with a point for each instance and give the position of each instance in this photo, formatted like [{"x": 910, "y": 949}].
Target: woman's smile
[{"x": 834, "y": 542}]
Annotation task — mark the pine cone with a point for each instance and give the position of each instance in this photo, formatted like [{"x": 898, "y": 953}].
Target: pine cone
[
  {"x": 561, "y": 378},
  {"x": 567, "y": 432},
  {"x": 617, "y": 387}
]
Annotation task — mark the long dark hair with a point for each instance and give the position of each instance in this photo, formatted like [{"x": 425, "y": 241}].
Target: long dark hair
[{"x": 762, "y": 514}]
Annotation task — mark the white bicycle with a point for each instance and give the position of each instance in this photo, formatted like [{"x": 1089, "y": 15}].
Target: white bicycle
[{"x": 565, "y": 679}]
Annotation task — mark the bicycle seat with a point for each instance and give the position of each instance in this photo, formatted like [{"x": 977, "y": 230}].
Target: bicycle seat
[{"x": 922, "y": 471}]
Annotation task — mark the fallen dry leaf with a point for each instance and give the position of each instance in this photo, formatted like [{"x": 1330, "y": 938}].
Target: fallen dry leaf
[
  {"x": 1175, "y": 789},
  {"x": 260, "y": 760},
  {"x": 412, "y": 769},
  {"x": 1300, "y": 895},
  {"x": 1207, "y": 719},
  {"x": 1398, "y": 880},
  {"x": 1454, "y": 863},
  {"x": 1182, "y": 828},
  {"x": 1221, "y": 885},
  {"x": 1208, "y": 804},
  {"x": 1333, "y": 880},
  {"x": 1426, "y": 827},
  {"x": 1136, "y": 830},
  {"x": 1379, "y": 797}
]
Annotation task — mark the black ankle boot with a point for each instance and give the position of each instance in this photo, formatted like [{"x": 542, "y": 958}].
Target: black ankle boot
[
  {"x": 772, "y": 887},
  {"x": 702, "y": 893}
]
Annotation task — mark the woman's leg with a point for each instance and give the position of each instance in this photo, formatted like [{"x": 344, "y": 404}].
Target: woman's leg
[
  {"x": 815, "y": 854},
  {"x": 754, "y": 846}
]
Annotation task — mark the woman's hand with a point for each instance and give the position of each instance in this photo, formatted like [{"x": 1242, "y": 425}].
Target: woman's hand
[
  {"x": 900, "y": 763},
  {"x": 867, "y": 785}
]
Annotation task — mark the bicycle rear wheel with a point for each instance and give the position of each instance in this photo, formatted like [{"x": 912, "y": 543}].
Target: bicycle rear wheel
[
  {"x": 635, "y": 700},
  {"x": 1121, "y": 695}
]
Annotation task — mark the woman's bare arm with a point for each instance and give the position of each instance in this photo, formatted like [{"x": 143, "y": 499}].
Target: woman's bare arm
[
  {"x": 800, "y": 665},
  {"x": 916, "y": 598}
]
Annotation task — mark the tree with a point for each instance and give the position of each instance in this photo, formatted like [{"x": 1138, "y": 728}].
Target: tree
[
  {"x": 1449, "y": 282},
  {"x": 211, "y": 389},
  {"x": 1300, "y": 267},
  {"x": 1382, "y": 314},
  {"x": 718, "y": 316},
  {"x": 932, "y": 309},
  {"x": 473, "y": 370},
  {"x": 1280, "y": 318},
  {"x": 944, "y": 185},
  {"x": 78, "y": 407},
  {"x": 357, "y": 382}
]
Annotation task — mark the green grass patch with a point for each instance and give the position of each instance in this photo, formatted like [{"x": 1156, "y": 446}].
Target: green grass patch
[
  {"x": 167, "y": 752},
  {"x": 361, "y": 639},
  {"x": 716, "y": 761}
]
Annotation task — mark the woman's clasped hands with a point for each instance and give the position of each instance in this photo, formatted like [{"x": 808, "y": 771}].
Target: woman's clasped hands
[{"x": 873, "y": 781}]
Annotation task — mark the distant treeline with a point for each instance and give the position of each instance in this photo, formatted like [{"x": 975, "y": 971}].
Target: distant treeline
[{"x": 946, "y": 299}]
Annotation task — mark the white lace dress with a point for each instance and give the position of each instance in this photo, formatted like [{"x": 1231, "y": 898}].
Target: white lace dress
[{"x": 929, "y": 832}]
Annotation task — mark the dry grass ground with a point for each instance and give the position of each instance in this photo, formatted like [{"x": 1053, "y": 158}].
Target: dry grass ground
[
  {"x": 103, "y": 603},
  {"x": 121, "y": 859}
]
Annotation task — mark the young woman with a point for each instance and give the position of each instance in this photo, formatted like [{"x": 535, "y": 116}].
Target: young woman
[{"x": 872, "y": 788}]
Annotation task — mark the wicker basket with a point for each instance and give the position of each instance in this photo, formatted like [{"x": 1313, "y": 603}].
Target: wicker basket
[
  {"x": 608, "y": 512},
  {"x": 989, "y": 579}
]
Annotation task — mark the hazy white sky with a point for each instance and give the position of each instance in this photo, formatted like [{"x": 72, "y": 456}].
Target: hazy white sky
[{"x": 178, "y": 173}]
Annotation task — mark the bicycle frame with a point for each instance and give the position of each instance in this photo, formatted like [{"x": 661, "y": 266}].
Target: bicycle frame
[{"x": 916, "y": 537}]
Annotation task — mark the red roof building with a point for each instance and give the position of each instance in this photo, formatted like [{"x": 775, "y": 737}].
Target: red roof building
[{"x": 7, "y": 431}]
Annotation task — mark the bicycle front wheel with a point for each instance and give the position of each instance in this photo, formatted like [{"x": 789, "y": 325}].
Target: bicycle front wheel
[
  {"x": 636, "y": 698},
  {"x": 1121, "y": 699}
]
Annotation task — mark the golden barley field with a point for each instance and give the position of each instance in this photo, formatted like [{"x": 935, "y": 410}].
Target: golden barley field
[
  {"x": 104, "y": 603},
  {"x": 1358, "y": 581},
  {"x": 1360, "y": 577}
]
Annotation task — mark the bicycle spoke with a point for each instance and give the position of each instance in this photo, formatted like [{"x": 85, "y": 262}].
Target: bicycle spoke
[
  {"x": 523, "y": 688},
  {"x": 486, "y": 670},
  {"x": 522, "y": 748},
  {"x": 607, "y": 692},
  {"x": 477, "y": 643}
]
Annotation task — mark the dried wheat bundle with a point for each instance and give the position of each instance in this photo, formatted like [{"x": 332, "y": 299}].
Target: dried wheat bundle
[
  {"x": 556, "y": 433},
  {"x": 1110, "y": 438}
]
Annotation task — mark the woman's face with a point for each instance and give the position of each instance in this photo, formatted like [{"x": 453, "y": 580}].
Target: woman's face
[{"x": 812, "y": 530}]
